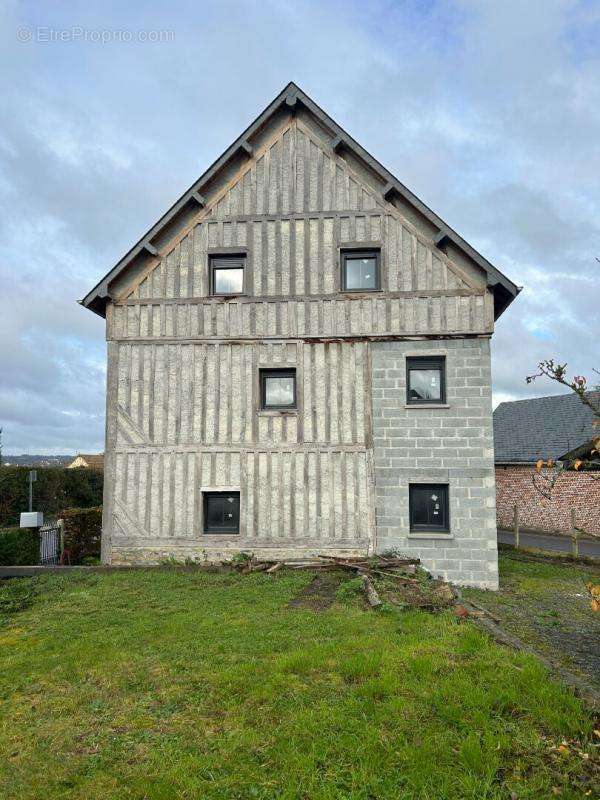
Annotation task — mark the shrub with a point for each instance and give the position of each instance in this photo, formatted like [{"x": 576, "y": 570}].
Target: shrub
[
  {"x": 55, "y": 488},
  {"x": 19, "y": 547},
  {"x": 82, "y": 532}
]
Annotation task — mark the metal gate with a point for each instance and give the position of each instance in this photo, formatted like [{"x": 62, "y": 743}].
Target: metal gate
[{"x": 50, "y": 543}]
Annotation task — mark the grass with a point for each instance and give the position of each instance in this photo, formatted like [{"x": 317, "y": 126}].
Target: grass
[
  {"x": 170, "y": 684},
  {"x": 546, "y": 604}
]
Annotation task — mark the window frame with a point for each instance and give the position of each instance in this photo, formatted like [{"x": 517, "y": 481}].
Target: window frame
[
  {"x": 206, "y": 496},
  {"x": 277, "y": 372},
  {"x": 426, "y": 362},
  {"x": 442, "y": 488},
  {"x": 364, "y": 252},
  {"x": 217, "y": 261}
]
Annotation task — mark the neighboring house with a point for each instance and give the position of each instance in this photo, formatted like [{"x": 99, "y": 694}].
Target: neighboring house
[
  {"x": 299, "y": 363},
  {"x": 87, "y": 461},
  {"x": 558, "y": 428}
]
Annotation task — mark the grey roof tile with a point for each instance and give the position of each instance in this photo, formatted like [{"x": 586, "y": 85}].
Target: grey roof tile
[{"x": 542, "y": 427}]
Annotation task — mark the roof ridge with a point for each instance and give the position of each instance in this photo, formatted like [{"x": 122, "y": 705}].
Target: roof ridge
[{"x": 545, "y": 397}]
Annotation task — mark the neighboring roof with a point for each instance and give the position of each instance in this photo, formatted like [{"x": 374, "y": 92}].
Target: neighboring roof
[
  {"x": 504, "y": 289},
  {"x": 542, "y": 427},
  {"x": 92, "y": 460}
]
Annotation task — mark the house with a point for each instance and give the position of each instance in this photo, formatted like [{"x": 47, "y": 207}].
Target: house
[
  {"x": 299, "y": 363},
  {"x": 557, "y": 428},
  {"x": 95, "y": 461}
]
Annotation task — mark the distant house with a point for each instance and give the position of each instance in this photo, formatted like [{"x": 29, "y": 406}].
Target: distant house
[
  {"x": 95, "y": 461},
  {"x": 558, "y": 428}
]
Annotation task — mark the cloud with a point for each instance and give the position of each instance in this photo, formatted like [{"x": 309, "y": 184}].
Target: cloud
[{"x": 493, "y": 124}]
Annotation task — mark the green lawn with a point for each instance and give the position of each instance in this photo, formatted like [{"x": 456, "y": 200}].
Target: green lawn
[{"x": 171, "y": 684}]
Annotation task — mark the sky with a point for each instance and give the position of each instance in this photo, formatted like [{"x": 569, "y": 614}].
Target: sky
[{"x": 488, "y": 111}]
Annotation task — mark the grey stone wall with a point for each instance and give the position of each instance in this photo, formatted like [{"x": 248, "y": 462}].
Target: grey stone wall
[{"x": 450, "y": 444}]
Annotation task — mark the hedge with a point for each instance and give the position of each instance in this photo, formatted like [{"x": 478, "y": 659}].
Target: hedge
[
  {"x": 56, "y": 488},
  {"x": 19, "y": 547},
  {"x": 81, "y": 533}
]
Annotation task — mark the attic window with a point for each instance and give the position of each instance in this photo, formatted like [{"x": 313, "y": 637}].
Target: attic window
[
  {"x": 227, "y": 274},
  {"x": 360, "y": 270}
]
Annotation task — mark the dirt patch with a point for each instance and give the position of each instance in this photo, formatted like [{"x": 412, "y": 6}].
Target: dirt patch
[{"x": 320, "y": 593}]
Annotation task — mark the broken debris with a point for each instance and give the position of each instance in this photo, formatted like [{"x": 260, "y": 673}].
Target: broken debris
[{"x": 388, "y": 578}]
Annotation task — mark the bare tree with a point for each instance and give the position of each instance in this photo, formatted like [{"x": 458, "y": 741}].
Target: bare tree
[
  {"x": 548, "y": 471},
  {"x": 579, "y": 384}
]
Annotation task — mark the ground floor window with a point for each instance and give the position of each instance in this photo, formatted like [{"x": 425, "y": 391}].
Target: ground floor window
[
  {"x": 221, "y": 512},
  {"x": 428, "y": 507}
]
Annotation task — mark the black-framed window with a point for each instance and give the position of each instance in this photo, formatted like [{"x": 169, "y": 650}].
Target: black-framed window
[
  {"x": 429, "y": 507},
  {"x": 277, "y": 388},
  {"x": 425, "y": 380},
  {"x": 221, "y": 512},
  {"x": 227, "y": 274},
  {"x": 360, "y": 270}
]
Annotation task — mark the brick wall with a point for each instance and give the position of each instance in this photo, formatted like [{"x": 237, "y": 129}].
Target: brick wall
[
  {"x": 450, "y": 443},
  {"x": 514, "y": 485}
]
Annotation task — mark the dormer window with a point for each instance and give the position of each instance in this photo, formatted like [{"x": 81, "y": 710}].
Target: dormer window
[
  {"x": 227, "y": 274},
  {"x": 360, "y": 270}
]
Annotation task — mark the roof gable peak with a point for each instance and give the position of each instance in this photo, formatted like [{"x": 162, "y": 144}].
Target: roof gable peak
[{"x": 290, "y": 98}]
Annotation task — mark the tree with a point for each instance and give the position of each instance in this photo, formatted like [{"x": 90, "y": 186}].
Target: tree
[
  {"x": 548, "y": 472},
  {"x": 579, "y": 384}
]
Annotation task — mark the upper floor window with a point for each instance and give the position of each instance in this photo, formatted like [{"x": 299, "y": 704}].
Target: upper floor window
[
  {"x": 227, "y": 274},
  {"x": 360, "y": 270},
  {"x": 425, "y": 380},
  {"x": 277, "y": 388}
]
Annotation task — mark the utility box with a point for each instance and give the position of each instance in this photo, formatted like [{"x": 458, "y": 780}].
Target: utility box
[{"x": 32, "y": 519}]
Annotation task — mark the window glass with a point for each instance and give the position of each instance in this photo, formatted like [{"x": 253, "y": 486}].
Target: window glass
[
  {"x": 221, "y": 512},
  {"x": 426, "y": 380},
  {"x": 425, "y": 384},
  {"x": 228, "y": 280},
  {"x": 360, "y": 273},
  {"x": 428, "y": 507},
  {"x": 214, "y": 515},
  {"x": 279, "y": 391},
  {"x": 278, "y": 388}
]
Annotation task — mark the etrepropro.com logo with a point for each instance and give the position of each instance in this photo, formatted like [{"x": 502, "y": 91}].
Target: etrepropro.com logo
[{"x": 77, "y": 33}]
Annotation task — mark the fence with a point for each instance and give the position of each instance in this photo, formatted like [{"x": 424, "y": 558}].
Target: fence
[
  {"x": 575, "y": 533},
  {"x": 50, "y": 543}
]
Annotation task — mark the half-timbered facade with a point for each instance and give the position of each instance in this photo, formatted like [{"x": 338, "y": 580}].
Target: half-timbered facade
[{"x": 298, "y": 363}]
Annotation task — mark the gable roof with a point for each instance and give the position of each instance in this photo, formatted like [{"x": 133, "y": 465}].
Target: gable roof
[
  {"x": 504, "y": 290},
  {"x": 93, "y": 461},
  {"x": 542, "y": 427}
]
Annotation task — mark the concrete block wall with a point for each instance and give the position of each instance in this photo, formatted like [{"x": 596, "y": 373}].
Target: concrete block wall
[{"x": 450, "y": 443}]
